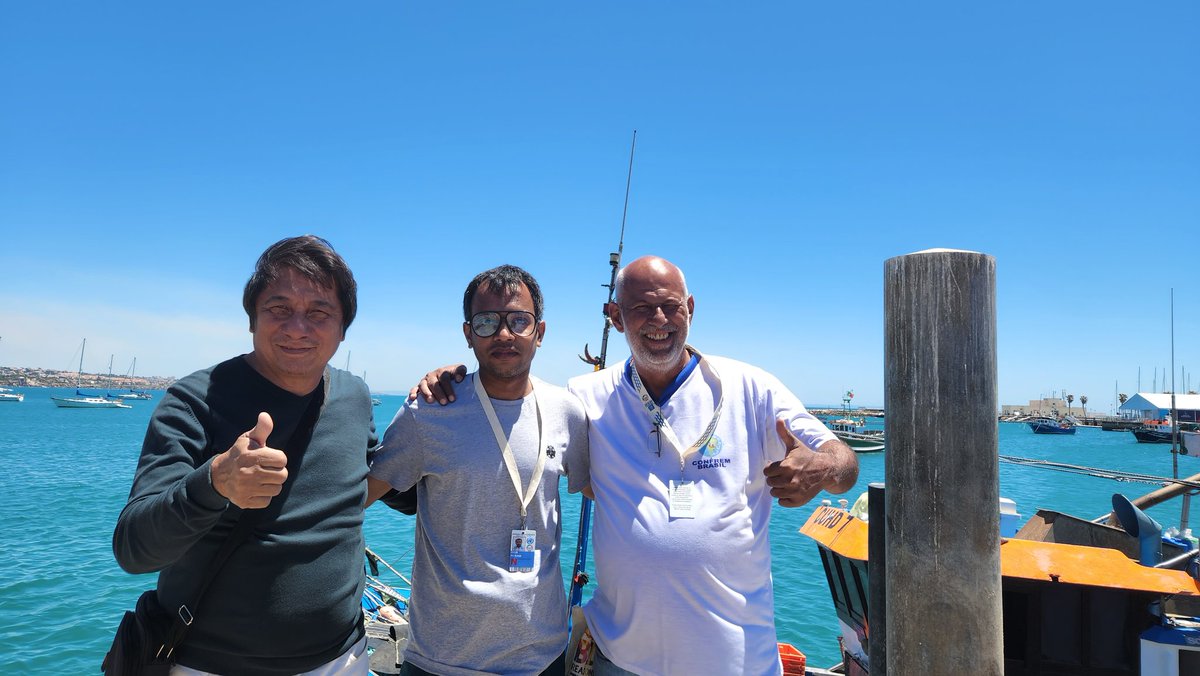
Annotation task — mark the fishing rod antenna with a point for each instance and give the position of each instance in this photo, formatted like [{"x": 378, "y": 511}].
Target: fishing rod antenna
[
  {"x": 579, "y": 576},
  {"x": 614, "y": 260}
]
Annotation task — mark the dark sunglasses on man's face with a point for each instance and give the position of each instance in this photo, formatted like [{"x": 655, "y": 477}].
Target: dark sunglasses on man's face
[{"x": 487, "y": 324}]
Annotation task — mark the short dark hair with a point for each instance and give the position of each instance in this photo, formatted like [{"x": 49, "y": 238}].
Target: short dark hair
[
  {"x": 315, "y": 260},
  {"x": 507, "y": 279}
]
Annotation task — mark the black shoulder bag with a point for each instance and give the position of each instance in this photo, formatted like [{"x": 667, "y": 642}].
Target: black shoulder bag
[{"x": 148, "y": 635}]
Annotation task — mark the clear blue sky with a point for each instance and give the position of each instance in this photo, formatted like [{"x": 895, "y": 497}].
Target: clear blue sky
[{"x": 150, "y": 151}]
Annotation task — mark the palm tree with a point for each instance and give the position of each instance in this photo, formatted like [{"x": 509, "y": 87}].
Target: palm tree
[
  {"x": 1123, "y": 398},
  {"x": 1070, "y": 398},
  {"x": 1083, "y": 403}
]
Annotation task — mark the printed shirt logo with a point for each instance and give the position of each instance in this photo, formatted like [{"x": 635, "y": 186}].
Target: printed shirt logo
[
  {"x": 713, "y": 447},
  {"x": 550, "y": 452},
  {"x": 708, "y": 455}
]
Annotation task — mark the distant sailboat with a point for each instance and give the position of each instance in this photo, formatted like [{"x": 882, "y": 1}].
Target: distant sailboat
[
  {"x": 375, "y": 401},
  {"x": 82, "y": 399},
  {"x": 142, "y": 395},
  {"x": 6, "y": 394}
]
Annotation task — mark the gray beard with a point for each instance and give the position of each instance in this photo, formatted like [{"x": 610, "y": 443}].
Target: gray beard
[{"x": 658, "y": 363}]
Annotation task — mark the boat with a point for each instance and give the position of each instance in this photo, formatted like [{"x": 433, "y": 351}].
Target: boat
[
  {"x": 853, "y": 431},
  {"x": 1190, "y": 443},
  {"x": 132, "y": 394},
  {"x": 385, "y": 615},
  {"x": 1078, "y": 597},
  {"x": 375, "y": 400},
  {"x": 83, "y": 399},
  {"x": 1150, "y": 435},
  {"x": 6, "y": 394},
  {"x": 1158, "y": 431},
  {"x": 1051, "y": 426}
]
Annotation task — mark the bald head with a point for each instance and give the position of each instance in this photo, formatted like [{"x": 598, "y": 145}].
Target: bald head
[
  {"x": 651, "y": 270},
  {"x": 653, "y": 310}
]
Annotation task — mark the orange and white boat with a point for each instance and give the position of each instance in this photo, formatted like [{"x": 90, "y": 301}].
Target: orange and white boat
[{"x": 1076, "y": 600}]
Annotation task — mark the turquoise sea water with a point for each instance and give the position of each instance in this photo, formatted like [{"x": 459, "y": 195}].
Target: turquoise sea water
[{"x": 65, "y": 474}]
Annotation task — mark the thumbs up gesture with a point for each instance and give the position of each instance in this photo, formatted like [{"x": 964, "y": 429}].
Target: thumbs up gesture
[
  {"x": 250, "y": 473},
  {"x": 805, "y": 471},
  {"x": 801, "y": 474}
]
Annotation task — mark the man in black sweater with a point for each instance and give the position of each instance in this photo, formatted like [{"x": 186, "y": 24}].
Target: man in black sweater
[{"x": 277, "y": 437}]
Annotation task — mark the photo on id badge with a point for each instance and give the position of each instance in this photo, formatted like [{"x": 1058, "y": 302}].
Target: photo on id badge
[{"x": 522, "y": 551}]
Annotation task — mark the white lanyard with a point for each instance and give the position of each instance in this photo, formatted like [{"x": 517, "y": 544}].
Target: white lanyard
[
  {"x": 660, "y": 421},
  {"x": 502, "y": 439}
]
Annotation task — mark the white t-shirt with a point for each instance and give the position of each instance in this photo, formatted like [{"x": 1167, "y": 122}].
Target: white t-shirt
[{"x": 687, "y": 595}]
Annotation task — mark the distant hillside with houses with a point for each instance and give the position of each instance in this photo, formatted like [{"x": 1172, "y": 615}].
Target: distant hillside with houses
[{"x": 20, "y": 376}]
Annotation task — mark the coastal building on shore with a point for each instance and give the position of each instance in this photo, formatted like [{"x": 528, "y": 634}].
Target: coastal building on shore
[
  {"x": 1157, "y": 406},
  {"x": 1139, "y": 407},
  {"x": 1050, "y": 406}
]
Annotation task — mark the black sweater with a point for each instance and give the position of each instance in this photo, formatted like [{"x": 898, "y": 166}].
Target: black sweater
[{"x": 288, "y": 599}]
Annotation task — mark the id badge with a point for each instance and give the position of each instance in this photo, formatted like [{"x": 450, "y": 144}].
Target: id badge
[
  {"x": 522, "y": 545},
  {"x": 683, "y": 499}
]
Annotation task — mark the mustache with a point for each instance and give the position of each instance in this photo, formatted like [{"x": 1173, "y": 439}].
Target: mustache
[{"x": 665, "y": 327}]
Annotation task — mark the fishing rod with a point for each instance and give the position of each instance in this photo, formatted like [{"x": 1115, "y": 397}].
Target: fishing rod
[
  {"x": 579, "y": 576},
  {"x": 614, "y": 260}
]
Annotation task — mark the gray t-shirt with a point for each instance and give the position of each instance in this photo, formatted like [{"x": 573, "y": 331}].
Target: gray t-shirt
[{"x": 469, "y": 615}]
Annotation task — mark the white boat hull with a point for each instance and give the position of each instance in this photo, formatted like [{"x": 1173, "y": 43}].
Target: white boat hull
[
  {"x": 87, "y": 402},
  {"x": 861, "y": 443},
  {"x": 1191, "y": 443}
]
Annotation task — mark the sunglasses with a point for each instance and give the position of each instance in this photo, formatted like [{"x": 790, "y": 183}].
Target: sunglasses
[{"x": 487, "y": 324}]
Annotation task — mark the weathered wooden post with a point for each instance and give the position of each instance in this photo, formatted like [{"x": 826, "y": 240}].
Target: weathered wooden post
[{"x": 943, "y": 525}]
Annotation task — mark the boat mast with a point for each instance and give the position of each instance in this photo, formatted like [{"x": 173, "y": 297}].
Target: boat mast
[{"x": 79, "y": 373}]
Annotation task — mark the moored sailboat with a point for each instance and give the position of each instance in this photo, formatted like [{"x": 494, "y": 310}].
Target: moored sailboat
[
  {"x": 132, "y": 394},
  {"x": 83, "y": 399}
]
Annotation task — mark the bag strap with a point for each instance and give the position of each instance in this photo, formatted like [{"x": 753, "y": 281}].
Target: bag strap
[{"x": 182, "y": 618}]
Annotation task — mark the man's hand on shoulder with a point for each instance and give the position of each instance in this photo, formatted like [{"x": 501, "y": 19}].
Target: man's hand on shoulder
[
  {"x": 804, "y": 472},
  {"x": 250, "y": 473},
  {"x": 438, "y": 384}
]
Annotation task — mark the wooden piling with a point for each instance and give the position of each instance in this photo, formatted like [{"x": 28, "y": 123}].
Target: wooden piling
[{"x": 943, "y": 544}]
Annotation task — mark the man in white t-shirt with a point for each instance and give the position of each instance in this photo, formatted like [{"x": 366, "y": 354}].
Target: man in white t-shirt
[{"x": 687, "y": 452}]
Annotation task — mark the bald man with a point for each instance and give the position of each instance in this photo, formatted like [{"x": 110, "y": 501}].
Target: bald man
[{"x": 687, "y": 451}]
